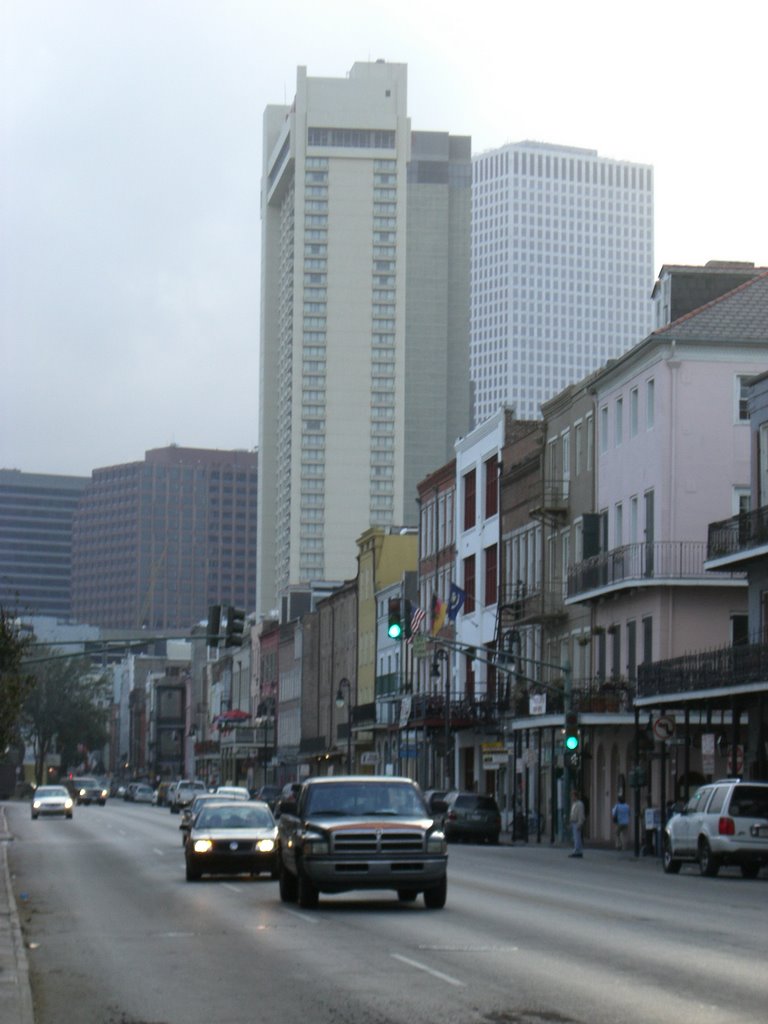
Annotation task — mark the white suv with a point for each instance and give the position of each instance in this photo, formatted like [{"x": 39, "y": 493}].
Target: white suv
[{"x": 724, "y": 822}]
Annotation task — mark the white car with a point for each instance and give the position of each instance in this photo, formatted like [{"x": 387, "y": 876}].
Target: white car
[
  {"x": 233, "y": 792},
  {"x": 48, "y": 800},
  {"x": 143, "y": 794},
  {"x": 724, "y": 823}
]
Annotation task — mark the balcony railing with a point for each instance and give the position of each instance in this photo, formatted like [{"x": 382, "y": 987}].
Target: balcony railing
[
  {"x": 707, "y": 670},
  {"x": 533, "y": 604},
  {"x": 389, "y": 684},
  {"x": 739, "y": 533},
  {"x": 660, "y": 562}
]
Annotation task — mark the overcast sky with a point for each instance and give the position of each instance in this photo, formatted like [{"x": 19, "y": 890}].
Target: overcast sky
[{"x": 130, "y": 158}]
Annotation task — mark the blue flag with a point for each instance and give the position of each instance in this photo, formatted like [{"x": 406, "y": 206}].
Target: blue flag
[{"x": 455, "y": 601}]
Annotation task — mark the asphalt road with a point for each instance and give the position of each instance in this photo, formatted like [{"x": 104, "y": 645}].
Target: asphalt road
[{"x": 115, "y": 935}]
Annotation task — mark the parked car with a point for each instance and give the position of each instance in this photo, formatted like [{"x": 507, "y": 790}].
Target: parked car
[
  {"x": 232, "y": 837},
  {"x": 50, "y": 800},
  {"x": 88, "y": 790},
  {"x": 143, "y": 794},
  {"x": 184, "y": 793},
  {"x": 470, "y": 816},
  {"x": 724, "y": 823},
  {"x": 360, "y": 832}
]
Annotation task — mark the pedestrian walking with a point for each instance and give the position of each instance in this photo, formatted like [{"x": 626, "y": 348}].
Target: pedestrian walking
[
  {"x": 577, "y": 819},
  {"x": 620, "y": 815}
]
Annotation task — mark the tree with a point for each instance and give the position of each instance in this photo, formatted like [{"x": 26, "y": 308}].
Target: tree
[
  {"x": 66, "y": 709},
  {"x": 15, "y": 683}
]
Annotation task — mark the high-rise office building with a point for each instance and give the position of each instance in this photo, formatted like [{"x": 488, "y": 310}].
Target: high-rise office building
[
  {"x": 155, "y": 543},
  {"x": 562, "y": 270},
  {"x": 365, "y": 319},
  {"x": 36, "y": 511}
]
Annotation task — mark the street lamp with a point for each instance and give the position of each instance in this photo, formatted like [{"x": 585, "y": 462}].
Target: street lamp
[
  {"x": 340, "y": 702},
  {"x": 442, "y": 655}
]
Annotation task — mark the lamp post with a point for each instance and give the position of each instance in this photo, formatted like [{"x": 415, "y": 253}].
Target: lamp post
[
  {"x": 442, "y": 655},
  {"x": 340, "y": 702}
]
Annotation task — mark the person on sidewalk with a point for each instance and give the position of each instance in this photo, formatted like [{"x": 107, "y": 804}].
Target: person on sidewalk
[
  {"x": 577, "y": 819},
  {"x": 620, "y": 815}
]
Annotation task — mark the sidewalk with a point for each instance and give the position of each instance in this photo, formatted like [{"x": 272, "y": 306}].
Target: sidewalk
[{"x": 15, "y": 993}]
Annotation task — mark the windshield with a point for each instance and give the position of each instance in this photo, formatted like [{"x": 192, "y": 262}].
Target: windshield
[
  {"x": 235, "y": 817},
  {"x": 345, "y": 799},
  {"x": 50, "y": 791}
]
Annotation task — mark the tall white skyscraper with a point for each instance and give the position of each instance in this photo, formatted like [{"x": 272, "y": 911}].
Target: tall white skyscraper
[
  {"x": 562, "y": 270},
  {"x": 365, "y": 319}
]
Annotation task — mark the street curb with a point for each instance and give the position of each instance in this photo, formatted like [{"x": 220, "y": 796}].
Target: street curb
[{"x": 21, "y": 965}]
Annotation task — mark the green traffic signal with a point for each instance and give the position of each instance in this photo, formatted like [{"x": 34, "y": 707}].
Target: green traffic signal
[{"x": 572, "y": 738}]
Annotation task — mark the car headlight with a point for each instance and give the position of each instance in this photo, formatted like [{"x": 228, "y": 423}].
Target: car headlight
[
  {"x": 36, "y": 804},
  {"x": 82, "y": 792},
  {"x": 203, "y": 846},
  {"x": 436, "y": 842},
  {"x": 68, "y": 803},
  {"x": 265, "y": 845},
  {"x": 315, "y": 844},
  {"x": 104, "y": 793}
]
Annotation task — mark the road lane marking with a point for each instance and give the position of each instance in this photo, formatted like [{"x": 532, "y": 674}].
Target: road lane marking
[
  {"x": 232, "y": 888},
  {"x": 302, "y": 917},
  {"x": 470, "y": 949},
  {"x": 160, "y": 853},
  {"x": 428, "y": 970}
]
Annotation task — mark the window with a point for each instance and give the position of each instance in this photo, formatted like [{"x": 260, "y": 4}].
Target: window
[
  {"x": 633, "y": 412},
  {"x": 590, "y": 442},
  {"x": 469, "y": 584},
  {"x": 619, "y": 422},
  {"x": 470, "y": 484},
  {"x": 650, "y": 404},
  {"x": 491, "y": 487},
  {"x": 604, "y": 430},
  {"x": 491, "y": 574},
  {"x": 742, "y": 394},
  {"x": 618, "y": 525},
  {"x": 632, "y": 650},
  {"x": 647, "y": 640}
]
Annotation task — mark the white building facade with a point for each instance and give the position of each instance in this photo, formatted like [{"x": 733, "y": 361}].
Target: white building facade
[
  {"x": 562, "y": 270},
  {"x": 365, "y": 313}
]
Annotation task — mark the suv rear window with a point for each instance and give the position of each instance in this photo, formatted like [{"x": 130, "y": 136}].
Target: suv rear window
[
  {"x": 479, "y": 803},
  {"x": 749, "y": 802}
]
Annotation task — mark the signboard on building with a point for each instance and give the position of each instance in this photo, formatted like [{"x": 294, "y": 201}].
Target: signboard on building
[{"x": 537, "y": 704}]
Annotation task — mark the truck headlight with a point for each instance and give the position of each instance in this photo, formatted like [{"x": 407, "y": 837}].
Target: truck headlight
[
  {"x": 436, "y": 843},
  {"x": 315, "y": 844}
]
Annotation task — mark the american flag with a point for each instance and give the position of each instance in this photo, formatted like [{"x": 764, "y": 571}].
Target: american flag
[{"x": 418, "y": 617}]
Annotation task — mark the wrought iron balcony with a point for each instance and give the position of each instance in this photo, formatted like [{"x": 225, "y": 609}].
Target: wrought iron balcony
[
  {"x": 741, "y": 535},
  {"x": 643, "y": 564},
  {"x": 707, "y": 670},
  {"x": 530, "y": 605}
]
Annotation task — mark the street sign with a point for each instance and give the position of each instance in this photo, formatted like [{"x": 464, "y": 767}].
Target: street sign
[
  {"x": 537, "y": 704},
  {"x": 664, "y": 727}
]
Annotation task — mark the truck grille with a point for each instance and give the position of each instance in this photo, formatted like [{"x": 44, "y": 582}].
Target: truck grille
[{"x": 383, "y": 841}]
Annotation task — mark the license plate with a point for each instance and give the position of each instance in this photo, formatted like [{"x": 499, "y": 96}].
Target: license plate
[{"x": 760, "y": 831}]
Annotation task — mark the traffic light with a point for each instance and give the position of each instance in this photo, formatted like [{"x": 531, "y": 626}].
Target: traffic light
[
  {"x": 214, "y": 625},
  {"x": 572, "y": 737},
  {"x": 395, "y": 627},
  {"x": 235, "y": 626}
]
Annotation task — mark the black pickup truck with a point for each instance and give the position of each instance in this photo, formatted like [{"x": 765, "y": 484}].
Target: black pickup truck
[{"x": 360, "y": 832}]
